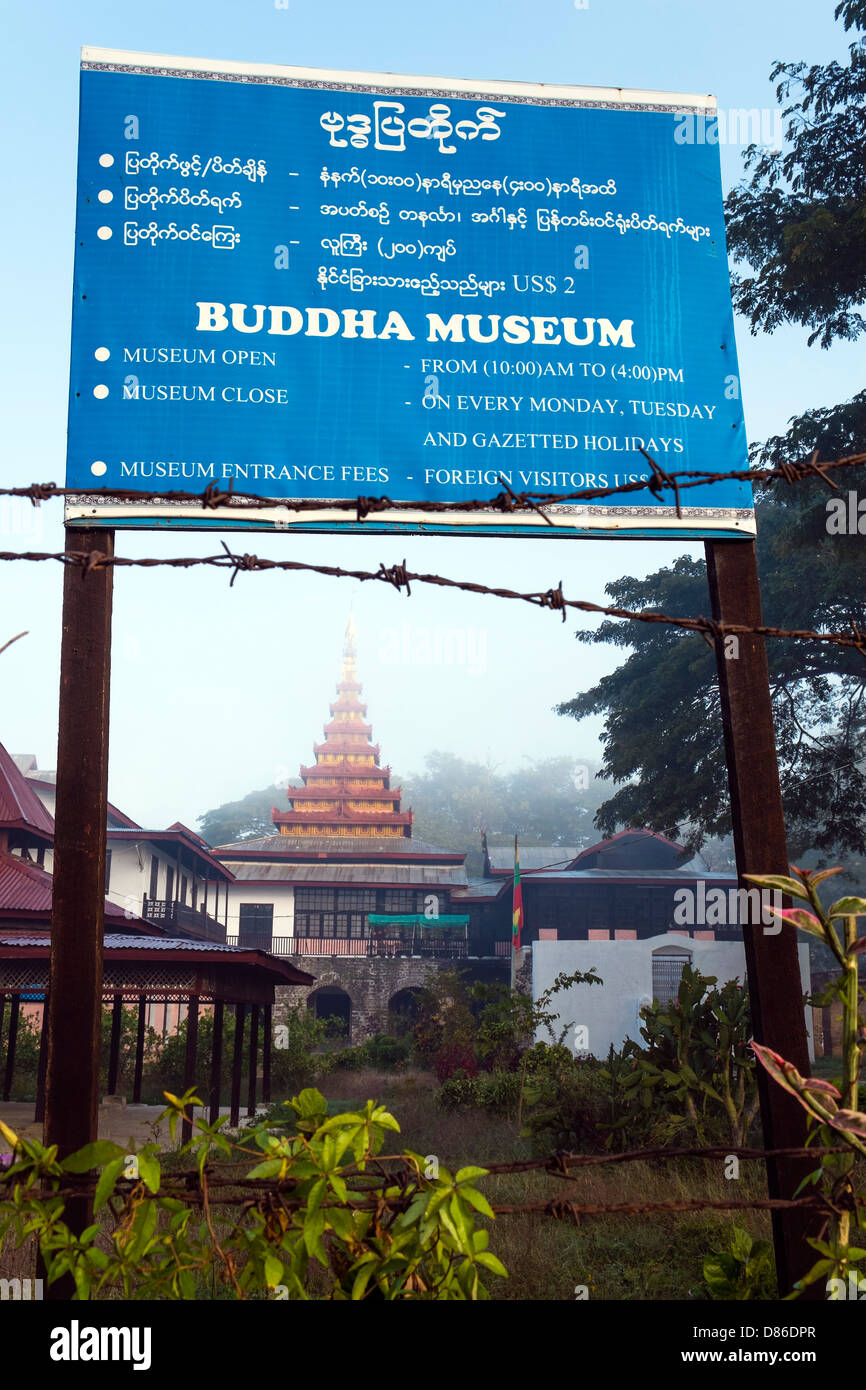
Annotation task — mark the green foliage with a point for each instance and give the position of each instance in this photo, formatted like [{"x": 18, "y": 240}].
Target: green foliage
[
  {"x": 382, "y": 1052},
  {"x": 565, "y": 1099},
  {"x": 694, "y": 1080},
  {"x": 745, "y": 1271},
  {"x": 340, "y": 1220},
  {"x": 246, "y": 819},
  {"x": 799, "y": 223},
  {"x": 829, "y": 1120},
  {"x": 495, "y": 1091}
]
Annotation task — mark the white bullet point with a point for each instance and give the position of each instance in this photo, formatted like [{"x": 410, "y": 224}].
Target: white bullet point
[
  {"x": 100, "y": 392},
  {"x": 98, "y": 468},
  {"x": 103, "y": 233},
  {"x": 102, "y": 354},
  {"x": 106, "y": 160},
  {"x": 105, "y": 195}
]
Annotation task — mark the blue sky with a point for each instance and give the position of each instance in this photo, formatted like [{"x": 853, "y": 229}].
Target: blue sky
[{"x": 253, "y": 668}]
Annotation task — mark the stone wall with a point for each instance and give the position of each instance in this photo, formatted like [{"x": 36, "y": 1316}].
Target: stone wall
[{"x": 370, "y": 982}]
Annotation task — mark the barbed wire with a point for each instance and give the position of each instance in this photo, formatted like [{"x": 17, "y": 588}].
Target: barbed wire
[
  {"x": 506, "y": 501},
  {"x": 186, "y": 1185},
  {"x": 401, "y": 578}
]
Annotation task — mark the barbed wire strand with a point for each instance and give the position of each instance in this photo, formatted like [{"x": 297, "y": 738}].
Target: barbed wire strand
[
  {"x": 402, "y": 578},
  {"x": 507, "y": 501}
]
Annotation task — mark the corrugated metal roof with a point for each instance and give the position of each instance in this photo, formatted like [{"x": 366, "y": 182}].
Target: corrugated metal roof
[
  {"x": 531, "y": 856},
  {"x": 19, "y": 804},
  {"x": 171, "y": 836},
  {"x": 119, "y": 942},
  {"x": 626, "y": 875},
  {"x": 397, "y": 874},
  {"x": 480, "y": 888},
  {"x": 25, "y": 887},
  {"x": 360, "y": 845}
]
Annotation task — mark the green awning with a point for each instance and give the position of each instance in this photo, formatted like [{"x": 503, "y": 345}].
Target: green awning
[{"x": 417, "y": 919}]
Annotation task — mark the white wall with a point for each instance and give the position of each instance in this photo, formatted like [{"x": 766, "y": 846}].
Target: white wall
[
  {"x": 610, "y": 1011},
  {"x": 282, "y": 895}
]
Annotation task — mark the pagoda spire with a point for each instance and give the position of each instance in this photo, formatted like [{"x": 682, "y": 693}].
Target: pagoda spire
[{"x": 346, "y": 791}]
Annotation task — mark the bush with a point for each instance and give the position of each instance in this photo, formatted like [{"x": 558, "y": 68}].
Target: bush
[
  {"x": 566, "y": 1098},
  {"x": 497, "y": 1092}
]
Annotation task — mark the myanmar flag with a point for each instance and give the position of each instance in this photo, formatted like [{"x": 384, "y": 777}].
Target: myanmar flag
[{"x": 517, "y": 901}]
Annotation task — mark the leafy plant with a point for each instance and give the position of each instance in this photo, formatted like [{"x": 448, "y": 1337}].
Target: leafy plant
[
  {"x": 745, "y": 1271},
  {"x": 832, "y": 1111},
  {"x": 373, "y": 1224}
]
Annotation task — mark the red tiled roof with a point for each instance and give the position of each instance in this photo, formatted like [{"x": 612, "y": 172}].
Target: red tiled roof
[{"x": 20, "y": 807}]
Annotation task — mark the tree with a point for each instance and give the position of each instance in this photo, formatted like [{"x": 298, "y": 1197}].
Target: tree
[
  {"x": 548, "y": 802},
  {"x": 242, "y": 820},
  {"x": 545, "y": 802},
  {"x": 799, "y": 223},
  {"x": 800, "y": 218}
]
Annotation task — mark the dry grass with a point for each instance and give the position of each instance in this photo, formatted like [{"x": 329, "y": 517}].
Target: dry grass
[{"x": 615, "y": 1257}]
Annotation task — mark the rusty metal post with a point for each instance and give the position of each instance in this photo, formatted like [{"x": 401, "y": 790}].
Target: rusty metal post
[
  {"x": 216, "y": 1064},
  {"x": 190, "y": 1059},
  {"x": 237, "y": 1063},
  {"x": 775, "y": 988},
  {"x": 254, "y": 1047},
  {"x": 75, "y": 1004},
  {"x": 139, "y": 1049},
  {"x": 114, "y": 1045},
  {"x": 10, "y": 1047}
]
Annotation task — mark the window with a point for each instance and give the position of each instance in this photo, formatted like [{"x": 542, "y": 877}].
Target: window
[
  {"x": 404, "y": 900},
  {"x": 107, "y": 868},
  {"x": 169, "y": 885},
  {"x": 256, "y": 925},
  {"x": 154, "y": 877},
  {"x": 668, "y": 965},
  {"x": 183, "y": 883}
]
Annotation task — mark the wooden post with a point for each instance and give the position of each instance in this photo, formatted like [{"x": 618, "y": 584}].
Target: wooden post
[
  {"x": 39, "y": 1114},
  {"x": 139, "y": 1049},
  {"x": 190, "y": 1060},
  {"x": 775, "y": 988},
  {"x": 237, "y": 1063},
  {"x": 254, "y": 1047},
  {"x": 10, "y": 1046},
  {"x": 114, "y": 1045},
  {"x": 75, "y": 1004},
  {"x": 266, "y": 1053},
  {"x": 216, "y": 1063}
]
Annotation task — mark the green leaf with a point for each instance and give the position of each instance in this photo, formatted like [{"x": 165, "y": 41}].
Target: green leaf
[
  {"x": 792, "y": 886},
  {"x": 273, "y": 1271},
  {"x": 848, "y": 907},
  {"x": 268, "y": 1169},
  {"x": 478, "y": 1200},
  {"x": 92, "y": 1156},
  {"x": 492, "y": 1263},
  {"x": 469, "y": 1174},
  {"x": 107, "y": 1180},
  {"x": 148, "y": 1167}
]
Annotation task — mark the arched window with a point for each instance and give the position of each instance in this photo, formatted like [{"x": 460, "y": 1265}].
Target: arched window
[{"x": 668, "y": 962}]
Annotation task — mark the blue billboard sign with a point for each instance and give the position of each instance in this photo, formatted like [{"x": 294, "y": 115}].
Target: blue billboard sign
[{"x": 316, "y": 285}]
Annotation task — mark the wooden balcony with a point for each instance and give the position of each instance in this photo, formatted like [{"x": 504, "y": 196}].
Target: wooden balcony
[{"x": 183, "y": 920}]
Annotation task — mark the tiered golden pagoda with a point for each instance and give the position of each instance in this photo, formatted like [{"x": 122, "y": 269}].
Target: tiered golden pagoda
[{"x": 345, "y": 792}]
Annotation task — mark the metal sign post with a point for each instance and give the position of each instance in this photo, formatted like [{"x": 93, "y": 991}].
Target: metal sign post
[
  {"x": 775, "y": 988},
  {"x": 75, "y": 997}
]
